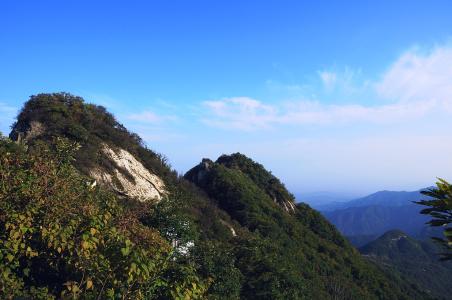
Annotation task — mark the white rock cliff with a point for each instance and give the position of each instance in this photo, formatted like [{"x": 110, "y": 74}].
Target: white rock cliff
[{"x": 144, "y": 186}]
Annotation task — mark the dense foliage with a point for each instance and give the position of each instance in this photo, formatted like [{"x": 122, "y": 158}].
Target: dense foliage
[
  {"x": 440, "y": 209},
  {"x": 257, "y": 173},
  {"x": 414, "y": 260},
  {"x": 62, "y": 237}
]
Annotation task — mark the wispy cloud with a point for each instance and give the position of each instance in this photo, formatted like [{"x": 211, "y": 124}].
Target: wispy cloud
[
  {"x": 417, "y": 85},
  {"x": 151, "y": 117},
  {"x": 419, "y": 76},
  {"x": 345, "y": 82},
  {"x": 329, "y": 79},
  {"x": 239, "y": 113},
  {"x": 316, "y": 113}
]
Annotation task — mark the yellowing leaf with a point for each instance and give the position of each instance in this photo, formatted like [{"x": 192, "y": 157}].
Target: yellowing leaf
[
  {"x": 89, "y": 284},
  {"x": 85, "y": 245}
]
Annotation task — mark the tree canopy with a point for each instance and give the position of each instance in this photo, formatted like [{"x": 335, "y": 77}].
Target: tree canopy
[{"x": 440, "y": 209}]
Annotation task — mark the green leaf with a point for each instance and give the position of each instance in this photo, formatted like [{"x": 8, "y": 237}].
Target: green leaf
[
  {"x": 125, "y": 251},
  {"x": 10, "y": 257}
]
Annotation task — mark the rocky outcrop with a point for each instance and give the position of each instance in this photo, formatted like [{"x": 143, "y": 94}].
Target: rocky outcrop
[
  {"x": 34, "y": 130},
  {"x": 197, "y": 174},
  {"x": 234, "y": 234},
  {"x": 287, "y": 205},
  {"x": 130, "y": 178}
]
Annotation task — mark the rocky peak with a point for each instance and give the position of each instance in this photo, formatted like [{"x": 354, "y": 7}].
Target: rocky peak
[
  {"x": 262, "y": 177},
  {"x": 206, "y": 163},
  {"x": 198, "y": 173},
  {"x": 254, "y": 171}
]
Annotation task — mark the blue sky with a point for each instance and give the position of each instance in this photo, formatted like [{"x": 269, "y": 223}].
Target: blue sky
[{"x": 342, "y": 96}]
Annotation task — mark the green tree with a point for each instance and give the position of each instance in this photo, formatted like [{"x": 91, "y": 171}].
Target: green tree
[
  {"x": 440, "y": 209},
  {"x": 62, "y": 237}
]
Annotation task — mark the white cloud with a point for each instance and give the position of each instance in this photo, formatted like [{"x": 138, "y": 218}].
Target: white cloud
[
  {"x": 344, "y": 82},
  {"x": 396, "y": 138},
  {"x": 250, "y": 114},
  {"x": 418, "y": 85},
  {"x": 330, "y": 114},
  {"x": 419, "y": 77},
  {"x": 150, "y": 117},
  {"x": 239, "y": 113}
]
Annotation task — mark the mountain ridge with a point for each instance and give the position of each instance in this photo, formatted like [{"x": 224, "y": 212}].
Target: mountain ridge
[
  {"x": 383, "y": 198},
  {"x": 365, "y": 218}
]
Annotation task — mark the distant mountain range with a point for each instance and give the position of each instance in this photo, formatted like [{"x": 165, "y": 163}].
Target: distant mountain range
[
  {"x": 366, "y": 218},
  {"x": 381, "y": 198}
]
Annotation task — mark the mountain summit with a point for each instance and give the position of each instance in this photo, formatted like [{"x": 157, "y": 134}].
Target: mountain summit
[
  {"x": 255, "y": 172},
  {"x": 109, "y": 153}
]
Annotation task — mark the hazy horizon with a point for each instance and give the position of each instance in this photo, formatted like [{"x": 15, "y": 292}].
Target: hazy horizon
[{"x": 348, "y": 103}]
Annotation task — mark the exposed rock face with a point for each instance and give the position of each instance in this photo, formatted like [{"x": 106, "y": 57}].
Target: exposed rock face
[
  {"x": 287, "y": 205},
  {"x": 139, "y": 182},
  {"x": 35, "y": 129},
  {"x": 197, "y": 174},
  {"x": 234, "y": 234},
  {"x": 130, "y": 178}
]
